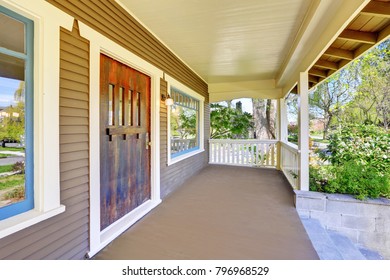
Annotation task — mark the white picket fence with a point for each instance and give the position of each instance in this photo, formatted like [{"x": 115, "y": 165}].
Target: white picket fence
[
  {"x": 289, "y": 163},
  {"x": 255, "y": 153}
]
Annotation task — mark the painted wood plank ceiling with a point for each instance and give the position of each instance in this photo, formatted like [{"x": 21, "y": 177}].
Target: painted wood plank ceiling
[{"x": 225, "y": 40}]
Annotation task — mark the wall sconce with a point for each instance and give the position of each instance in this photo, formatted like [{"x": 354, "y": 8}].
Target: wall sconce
[{"x": 168, "y": 100}]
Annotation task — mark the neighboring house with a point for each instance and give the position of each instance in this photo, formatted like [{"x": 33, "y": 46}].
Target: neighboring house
[{"x": 96, "y": 81}]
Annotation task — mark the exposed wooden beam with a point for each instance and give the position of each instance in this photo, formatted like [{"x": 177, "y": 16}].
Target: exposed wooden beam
[
  {"x": 318, "y": 73},
  {"x": 326, "y": 65},
  {"x": 359, "y": 36},
  {"x": 383, "y": 34},
  {"x": 313, "y": 79},
  {"x": 339, "y": 53},
  {"x": 362, "y": 49},
  {"x": 343, "y": 62},
  {"x": 378, "y": 9}
]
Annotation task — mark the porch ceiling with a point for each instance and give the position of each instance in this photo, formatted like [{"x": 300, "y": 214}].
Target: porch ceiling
[{"x": 251, "y": 48}]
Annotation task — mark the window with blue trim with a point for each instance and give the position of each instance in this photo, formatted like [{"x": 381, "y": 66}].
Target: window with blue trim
[
  {"x": 184, "y": 123},
  {"x": 16, "y": 114}
]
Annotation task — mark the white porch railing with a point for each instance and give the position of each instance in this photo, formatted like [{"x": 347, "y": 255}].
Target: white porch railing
[
  {"x": 257, "y": 153},
  {"x": 289, "y": 163}
]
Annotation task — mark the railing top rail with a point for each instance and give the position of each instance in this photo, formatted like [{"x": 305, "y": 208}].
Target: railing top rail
[
  {"x": 243, "y": 141},
  {"x": 290, "y": 146}
]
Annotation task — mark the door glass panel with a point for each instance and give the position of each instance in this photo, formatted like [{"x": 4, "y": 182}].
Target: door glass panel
[
  {"x": 138, "y": 109},
  {"x": 129, "y": 109},
  {"x": 111, "y": 104},
  {"x": 121, "y": 109}
]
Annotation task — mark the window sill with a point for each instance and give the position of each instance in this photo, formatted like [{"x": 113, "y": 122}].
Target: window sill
[
  {"x": 183, "y": 157},
  {"x": 25, "y": 220}
]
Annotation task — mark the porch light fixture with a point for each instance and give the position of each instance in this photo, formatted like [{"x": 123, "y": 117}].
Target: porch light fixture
[{"x": 167, "y": 98}]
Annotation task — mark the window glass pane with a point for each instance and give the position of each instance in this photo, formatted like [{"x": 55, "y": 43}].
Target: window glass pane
[
  {"x": 11, "y": 67},
  {"x": 12, "y": 140},
  {"x": 12, "y": 37},
  {"x": 184, "y": 129}
]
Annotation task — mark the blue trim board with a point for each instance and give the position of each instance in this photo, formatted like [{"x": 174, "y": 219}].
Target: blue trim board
[{"x": 28, "y": 203}]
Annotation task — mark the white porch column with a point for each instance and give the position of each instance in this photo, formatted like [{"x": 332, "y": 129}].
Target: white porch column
[
  {"x": 282, "y": 129},
  {"x": 303, "y": 139}
]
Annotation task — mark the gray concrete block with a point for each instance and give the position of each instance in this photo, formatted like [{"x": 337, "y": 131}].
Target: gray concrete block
[
  {"x": 316, "y": 204},
  {"x": 345, "y": 208},
  {"x": 358, "y": 222},
  {"x": 382, "y": 225},
  {"x": 333, "y": 219},
  {"x": 302, "y": 203},
  {"x": 370, "y": 210}
]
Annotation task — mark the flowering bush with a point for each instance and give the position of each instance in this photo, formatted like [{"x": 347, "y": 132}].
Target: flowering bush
[{"x": 360, "y": 163}]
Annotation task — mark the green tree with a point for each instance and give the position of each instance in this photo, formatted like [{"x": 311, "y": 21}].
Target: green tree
[
  {"x": 329, "y": 98},
  {"x": 229, "y": 123},
  {"x": 12, "y": 123},
  {"x": 371, "y": 101}
]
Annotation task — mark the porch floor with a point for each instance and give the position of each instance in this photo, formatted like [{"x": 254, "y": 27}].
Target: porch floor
[{"x": 222, "y": 213}]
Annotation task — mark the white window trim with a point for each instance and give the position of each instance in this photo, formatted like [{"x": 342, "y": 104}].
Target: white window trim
[
  {"x": 47, "y": 21},
  {"x": 176, "y": 84}
]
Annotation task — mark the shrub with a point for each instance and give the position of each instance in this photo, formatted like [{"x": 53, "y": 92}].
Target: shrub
[
  {"x": 360, "y": 163},
  {"x": 362, "y": 181},
  {"x": 364, "y": 144}
]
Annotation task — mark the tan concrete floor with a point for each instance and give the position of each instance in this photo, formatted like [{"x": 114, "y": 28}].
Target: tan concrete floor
[{"x": 221, "y": 213}]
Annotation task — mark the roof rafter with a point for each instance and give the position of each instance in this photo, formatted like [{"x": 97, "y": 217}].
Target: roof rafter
[
  {"x": 340, "y": 53},
  {"x": 318, "y": 73},
  {"x": 378, "y": 9},
  {"x": 326, "y": 65},
  {"x": 359, "y": 36}
]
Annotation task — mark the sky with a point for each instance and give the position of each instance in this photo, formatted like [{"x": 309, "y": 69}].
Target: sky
[
  {"x": 7, "y": 90},
  {"x": 246, "y": 104}
]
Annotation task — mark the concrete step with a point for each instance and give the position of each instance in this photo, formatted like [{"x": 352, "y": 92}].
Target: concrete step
[
  {"x": 331, "y": 245},
  {"x": 320, "y": 239},
  {"x": 344, "y": 245}
]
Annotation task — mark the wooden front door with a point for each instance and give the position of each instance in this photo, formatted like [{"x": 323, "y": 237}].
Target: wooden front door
[{"x": 124, "y": 140}]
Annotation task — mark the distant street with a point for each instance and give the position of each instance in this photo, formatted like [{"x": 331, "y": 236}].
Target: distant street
[{"x": 10, "y": 160}]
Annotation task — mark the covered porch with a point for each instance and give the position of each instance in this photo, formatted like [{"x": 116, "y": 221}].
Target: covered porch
[{"x": 223, "y": 212}]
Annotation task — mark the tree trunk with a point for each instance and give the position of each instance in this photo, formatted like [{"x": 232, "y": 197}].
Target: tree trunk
[{"x": 264, "y": 114}]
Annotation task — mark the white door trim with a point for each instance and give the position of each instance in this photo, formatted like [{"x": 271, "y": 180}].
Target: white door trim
[{"x": 101, "y": 44}]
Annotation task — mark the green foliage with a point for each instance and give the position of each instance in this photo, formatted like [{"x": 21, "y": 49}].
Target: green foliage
[
  {"x": 12, "y": 126},
  {"x": 363, "y": 181},
  {"x": 229, "y": 123},
  {"x": 183, "y": 122},
  {"x": 6, "y": 168},
  {"x": 363, "y": 144},
  {"x": 359, "y": 155},
  {"x": 370, "y": 102}
]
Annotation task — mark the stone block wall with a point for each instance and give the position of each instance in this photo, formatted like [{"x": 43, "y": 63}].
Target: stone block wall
[{"x": 366, "y": 223}]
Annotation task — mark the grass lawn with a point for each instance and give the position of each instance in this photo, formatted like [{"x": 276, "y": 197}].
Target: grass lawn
[
  {"x": 11, "y": 181},
  {"x": 6, "y": 168},
  {"x": 13, "y": 149}
]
